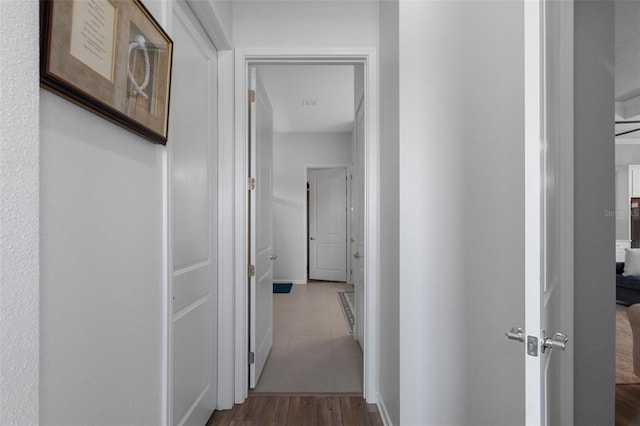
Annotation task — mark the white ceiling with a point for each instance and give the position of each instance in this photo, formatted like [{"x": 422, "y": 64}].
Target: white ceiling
[
  {"x": 627, "y": 66},
  {"x": 330, "y": 85},
  {"x": 627, "y": 55}
]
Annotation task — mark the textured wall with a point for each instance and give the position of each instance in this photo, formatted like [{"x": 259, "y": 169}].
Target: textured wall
[
  {"x": 19, "y": 239},
  {"x": 102, "y": 269}
]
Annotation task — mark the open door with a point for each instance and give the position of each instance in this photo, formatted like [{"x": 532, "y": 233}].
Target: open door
[
  {"x": 549, "y": 212},
  {"x": 357, "y": 227},
  {"x": 261, "y": 255},
  {"x": 328, "y": 224}
]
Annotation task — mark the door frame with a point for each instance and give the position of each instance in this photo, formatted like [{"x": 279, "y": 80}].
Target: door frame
[
  {"x": 235, "y": 322},
  {"x": 305, "y": 214}
]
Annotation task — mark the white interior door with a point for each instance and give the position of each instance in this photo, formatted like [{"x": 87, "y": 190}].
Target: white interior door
[
  {"x": 357, "y": 229},
  {"x": 261, "y": 228},
  {"x": 549, "y": 212},
  {"x": 192, "y": 148},
  {"x": 328, "y": 224}
]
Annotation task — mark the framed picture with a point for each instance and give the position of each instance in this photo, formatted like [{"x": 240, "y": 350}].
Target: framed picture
[{"x": 110, "y": 57}]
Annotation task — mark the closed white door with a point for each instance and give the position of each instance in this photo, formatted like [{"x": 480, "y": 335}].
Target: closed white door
[
  {"x": 357, "y": 228},
  {"x": 328, "y": 224},
  {"x": 261, "y": 229},
  {"x": 192, "y": 149},
  {"x": 548, "y": 214}
]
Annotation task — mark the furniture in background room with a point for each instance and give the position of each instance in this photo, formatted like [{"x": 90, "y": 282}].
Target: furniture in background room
[
  {"x": 628, "y": 277},
  {"x": 620, "y": 246},
  {"x": 634, "y": 319},
  {"x": 627, "y": 287}
]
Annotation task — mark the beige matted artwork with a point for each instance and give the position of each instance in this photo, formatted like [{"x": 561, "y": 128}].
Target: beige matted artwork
[{"x": 111, "y": 57}]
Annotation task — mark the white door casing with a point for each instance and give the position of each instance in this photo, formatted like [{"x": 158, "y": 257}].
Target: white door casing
[
  {"x": 549, "y": 208},
  {"x": 358, "y": 224},
  {"x": 327, "y": 224},
  {"x": 261, "y": 229},
  {"x": 238, "y": 320},
  {"x": 192, "y": 157}
]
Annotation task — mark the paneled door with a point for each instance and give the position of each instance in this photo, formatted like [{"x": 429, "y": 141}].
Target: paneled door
[
  {"x": 261, "y": 229},
  {"x": 357, "y": 228},
  {"x": 192, "y": 151},
  {"x": 328, "y": 224},
  {"x": 549, "y": 212}
]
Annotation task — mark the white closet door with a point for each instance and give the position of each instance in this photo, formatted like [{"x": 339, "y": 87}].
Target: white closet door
[
  {"x": 193, "y": 193},
  {"x": 328, "y": 224}
]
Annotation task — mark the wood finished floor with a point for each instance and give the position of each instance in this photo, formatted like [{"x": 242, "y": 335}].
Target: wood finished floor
[
  {"x": 299, "y": 411},
  {"x": 627, "y": 388},
  {"x": 627, "y": 405}
]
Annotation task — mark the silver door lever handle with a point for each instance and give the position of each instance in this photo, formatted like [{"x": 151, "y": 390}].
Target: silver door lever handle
[
  {"x": 312, "y": 238},
  {"x": 273, "y": 257},
  {"x": 515, "y": 334},
  {"x": 356, "y": 255},
  {"x": 558, "y": 342}
]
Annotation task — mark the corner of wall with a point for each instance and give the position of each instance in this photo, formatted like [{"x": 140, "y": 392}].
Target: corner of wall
[
  {"x": 384, "y": 413},
  {"x": 19, "y": 214}
]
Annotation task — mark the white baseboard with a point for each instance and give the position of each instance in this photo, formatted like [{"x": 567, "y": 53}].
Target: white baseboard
[
  {"x": 382, "y": 409},
  {"x": 291, "y": 281}
]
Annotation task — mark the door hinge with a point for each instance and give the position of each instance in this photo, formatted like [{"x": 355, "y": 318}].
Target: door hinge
[
  {"x": 251, "y": 184},
  {"x": 252, "y": 358},
  {"x": 252, "y": 271},
  {"x": 252, "y": 95}
]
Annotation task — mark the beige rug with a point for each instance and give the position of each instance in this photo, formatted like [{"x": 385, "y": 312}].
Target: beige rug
[{"x": 624, "y": 348}]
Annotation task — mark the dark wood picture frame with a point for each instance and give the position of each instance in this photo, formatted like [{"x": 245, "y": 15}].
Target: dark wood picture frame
[{"x": 110, "y": 57}]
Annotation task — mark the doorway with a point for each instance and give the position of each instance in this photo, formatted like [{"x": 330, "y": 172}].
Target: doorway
[
  {"x": 311, "y": 113},
  {"x": 241, "y": 318},
  {"x": 627, "y": 165}
]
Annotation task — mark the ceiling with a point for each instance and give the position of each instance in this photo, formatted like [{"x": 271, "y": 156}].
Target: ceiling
[
  {"x": 330, "y": 87},
  {"x": 627, "y": 50},
  {"x": 627, "y": 65}
]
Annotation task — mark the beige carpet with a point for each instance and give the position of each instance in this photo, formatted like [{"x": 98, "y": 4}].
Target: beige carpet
[
  {"x": 624, "y": 348},
  {"x": 313, "y": 350}
]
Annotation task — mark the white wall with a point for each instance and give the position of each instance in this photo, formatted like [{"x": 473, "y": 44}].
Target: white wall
[
  {"x": 223, "y": 10},
  {"x": 389, "y": 398},
  {"x": 291, "y": 153},
  {"x": 309, "y": 24},
  {"x": 461, "y": 212},
  {"x": 19, "y": 227},
  {"x": 625, "y": 155},
  {"x": 102, "y": 269},
  {"x": 85, "y": 346},
  {"x": 594, "y": 299}
]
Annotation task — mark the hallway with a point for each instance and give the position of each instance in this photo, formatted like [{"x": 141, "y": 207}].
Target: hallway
[{"x": 313, "y": 350}]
